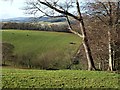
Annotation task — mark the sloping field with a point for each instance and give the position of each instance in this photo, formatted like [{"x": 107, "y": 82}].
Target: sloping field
[
  {"x": 39, "y": 45},
  {"x": 39, "y": 42}
]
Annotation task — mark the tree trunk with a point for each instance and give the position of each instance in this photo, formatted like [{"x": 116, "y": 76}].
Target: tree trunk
[
  {"x": 110, "y": 67},
  {"x": 29, "y": 64},
  {"x": 91, "y": 65}
]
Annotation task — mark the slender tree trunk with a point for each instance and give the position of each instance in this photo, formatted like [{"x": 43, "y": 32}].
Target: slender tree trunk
[
  {"x": 91, "y": 65},
  {"x": 113, "y": 59},
  {"x": 4, "y": 62},
  {"x": 110, "y": 67},
  {"x": 3, "y": 59},
  {"x": 29, "y": 64},
  {"x": 88, "y": 53}
]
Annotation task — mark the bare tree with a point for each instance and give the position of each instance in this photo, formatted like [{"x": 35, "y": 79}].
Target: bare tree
[
  {"x": 109, "y": 14},
  {"x": 55, "y": 8}
]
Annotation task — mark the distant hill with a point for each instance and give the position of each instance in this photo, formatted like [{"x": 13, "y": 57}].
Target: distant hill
[{"x": 33, "y": 19}]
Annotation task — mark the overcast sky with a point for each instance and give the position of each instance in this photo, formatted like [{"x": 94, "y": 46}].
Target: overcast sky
[{"x": 12, "y": 8}]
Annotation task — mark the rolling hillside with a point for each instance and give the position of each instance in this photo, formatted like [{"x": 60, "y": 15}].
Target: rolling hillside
[
  {"x": 33, "y": 19},
  {"x": 38, "y": 45}
]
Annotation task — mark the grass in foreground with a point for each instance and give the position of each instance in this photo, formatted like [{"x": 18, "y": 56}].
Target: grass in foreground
[{"x": 23, "y": 78}]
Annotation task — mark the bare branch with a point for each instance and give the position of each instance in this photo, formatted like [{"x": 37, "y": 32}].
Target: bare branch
[
  {"x": 101, "y": 20},
  {"x": 110, "y": 14},
  {"x": 46, "y": 13},
  {"x": 71, "y": 29},
  {"x": 117, "y": 13},
  {"x": 107, "y": 11},
  {"x": 78, "y": 8},
  {"x": 58, "y": 10}
]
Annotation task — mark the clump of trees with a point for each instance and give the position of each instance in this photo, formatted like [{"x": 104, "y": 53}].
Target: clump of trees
[
  {"x": 98, "y": 41},
  {"x": 52, "y": 60},
  {"x": 22, "y": 26},
  {"x": 7, "y": 52},
  {"x": 109, "y": 14}
]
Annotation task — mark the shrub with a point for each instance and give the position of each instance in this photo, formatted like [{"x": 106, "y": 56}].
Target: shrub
[
  {"x": 7, "y": 52},
  {"x": 52, "y": 60}
]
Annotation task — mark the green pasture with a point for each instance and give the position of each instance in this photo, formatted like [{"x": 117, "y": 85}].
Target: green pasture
[
  {"x": 29, "y": 78},
  {"x": 39, "y": 47},
  {"x": 40, "y": 41}
]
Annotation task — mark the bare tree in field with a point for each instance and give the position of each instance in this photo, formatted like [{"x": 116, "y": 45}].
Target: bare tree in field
[
  {"x": 109, "y": 14},
  {"x": 68, "y": 8}
]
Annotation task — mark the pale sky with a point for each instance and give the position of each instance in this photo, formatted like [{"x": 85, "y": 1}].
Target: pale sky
[{"x": 12, "y": 8}]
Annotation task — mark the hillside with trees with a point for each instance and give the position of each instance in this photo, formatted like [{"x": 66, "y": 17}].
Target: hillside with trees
[
  {"x": 69, "y": 44},
  {"x": 98, "y": 28}
]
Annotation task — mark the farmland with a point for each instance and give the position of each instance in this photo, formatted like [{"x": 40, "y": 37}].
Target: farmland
[
  {"x": 37, "y": 46},
  {"x": 50, "y": 47},
  {"x": 39, "y": 41},
  {"x": 28, "y": 78}
]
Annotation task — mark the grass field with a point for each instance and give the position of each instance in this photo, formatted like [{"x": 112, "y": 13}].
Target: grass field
[
  {"x": 53, "y": 45},
  {"x": 39, "y": 42},
  {"x": 41, "y": 45},
  {"x": 24, "y": 78}
]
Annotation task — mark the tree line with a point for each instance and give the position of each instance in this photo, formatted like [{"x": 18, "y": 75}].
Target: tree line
[{"x": 35, "y": 26}]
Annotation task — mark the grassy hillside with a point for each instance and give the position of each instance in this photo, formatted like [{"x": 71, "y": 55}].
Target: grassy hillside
[
  {"x": 38, "y": 45},
  {"x": 23, "y": 78}
]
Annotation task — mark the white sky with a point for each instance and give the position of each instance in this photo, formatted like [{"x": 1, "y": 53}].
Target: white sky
[{"x": 12, "y": 8}]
